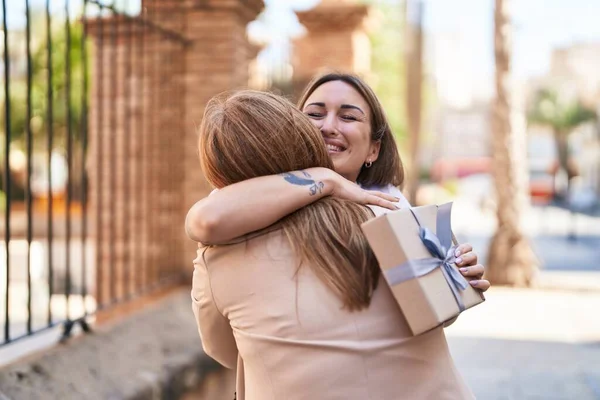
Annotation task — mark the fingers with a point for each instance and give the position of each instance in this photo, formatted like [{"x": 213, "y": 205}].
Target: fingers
[
  {"x": 466, "y": 259},
  {"x": 480, "y": 284},
  {"x": 475, "y": 271},
  {"x": 384, "y": 196},
  {"x": 463, "y": 249},
  {"x": 380, "y": 199},
  {"x": 474, "y": 274}
]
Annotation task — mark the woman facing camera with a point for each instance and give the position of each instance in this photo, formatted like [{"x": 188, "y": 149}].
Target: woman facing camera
[{"x": 300, "y": 308}]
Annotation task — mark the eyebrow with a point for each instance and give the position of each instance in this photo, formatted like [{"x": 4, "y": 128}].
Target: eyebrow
[
  {"x": 346, "y": 106},
  {"x": 343, "y": 106}
]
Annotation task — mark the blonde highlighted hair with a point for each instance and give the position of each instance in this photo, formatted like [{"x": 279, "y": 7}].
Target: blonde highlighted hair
[{"x": 250, "y": 134}]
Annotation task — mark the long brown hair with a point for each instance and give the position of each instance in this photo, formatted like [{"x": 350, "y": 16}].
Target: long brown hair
[
  {"x": 250, "y": 134},
  {"x": 388, "y": 168}
]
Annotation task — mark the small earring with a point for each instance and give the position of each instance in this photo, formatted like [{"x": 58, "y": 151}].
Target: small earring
[{"x": 368, "y": 164}]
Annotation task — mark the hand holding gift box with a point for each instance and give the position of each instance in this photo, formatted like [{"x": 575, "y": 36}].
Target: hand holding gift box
[{"x": 415, "y": 253}]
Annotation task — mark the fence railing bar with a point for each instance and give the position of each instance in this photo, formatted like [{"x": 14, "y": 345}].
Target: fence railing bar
[
  {"x": 69, "y": 133},
  {"x": 29, "y": 140},
  {"x": 148, "y": 85},
  {"x": 49, "y": 143},
  {"x": 19, "y": 338},
  {"x": 166, "y": 32},
  {"x": 163, "y": 283},
  {"x": 7, "y": 180},
  {"x": 113, "y": 134},
  {"x": 82, "y": 321},
  {"x": 84, "y": 188}
]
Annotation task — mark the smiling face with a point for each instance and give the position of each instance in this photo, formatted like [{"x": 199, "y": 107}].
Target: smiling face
[{"x": 344, "y": 118}]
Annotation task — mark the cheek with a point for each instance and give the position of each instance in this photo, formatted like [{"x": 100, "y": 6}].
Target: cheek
[
  {"x": 359, "y": 140},
  {"x": 316, "y": 123}
]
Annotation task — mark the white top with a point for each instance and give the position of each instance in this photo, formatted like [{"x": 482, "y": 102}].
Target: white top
[{"x": 392, "y": 190}]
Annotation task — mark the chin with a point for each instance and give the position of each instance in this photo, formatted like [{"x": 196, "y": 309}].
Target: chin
[{"x": 339, "y": 165}]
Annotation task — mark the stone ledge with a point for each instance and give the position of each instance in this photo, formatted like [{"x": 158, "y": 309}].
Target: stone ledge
[{"x": 153, "y": 354}]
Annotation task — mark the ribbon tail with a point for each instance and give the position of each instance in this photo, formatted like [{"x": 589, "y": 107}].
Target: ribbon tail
[
  {"x": 410, "y": 270},
  {"x": 458, "y": 279},
  {"x": 443, "y": 224},
  {"x": 456, "y": 283}
]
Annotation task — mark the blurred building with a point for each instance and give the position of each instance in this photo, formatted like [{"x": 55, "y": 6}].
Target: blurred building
[
  {"x": 575, "y": 71},
  {"x": 461, "y": 143},
  {"x": 460, "y": 131}
]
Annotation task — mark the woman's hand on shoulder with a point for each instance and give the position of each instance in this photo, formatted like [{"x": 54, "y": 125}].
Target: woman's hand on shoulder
[
  {"x": 347, "y": 190},
  {"x": 466, "y": 261}
]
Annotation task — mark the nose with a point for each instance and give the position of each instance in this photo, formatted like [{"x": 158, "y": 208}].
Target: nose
[{"x": 328, "y": 126}]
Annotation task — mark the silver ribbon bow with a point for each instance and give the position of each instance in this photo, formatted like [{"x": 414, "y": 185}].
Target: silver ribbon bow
[{"x": 442, "y": 251}]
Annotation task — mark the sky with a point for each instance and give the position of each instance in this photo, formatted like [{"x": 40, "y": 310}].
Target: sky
[{"x": 540, "y": 26}]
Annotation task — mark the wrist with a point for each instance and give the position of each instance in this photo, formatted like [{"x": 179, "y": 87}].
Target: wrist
[{"x": 327, "y": 177}]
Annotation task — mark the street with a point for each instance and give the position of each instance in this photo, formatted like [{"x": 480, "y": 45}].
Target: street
[
  {"x": 526, "y": 344},
  {"x": 541, "y": 343}
]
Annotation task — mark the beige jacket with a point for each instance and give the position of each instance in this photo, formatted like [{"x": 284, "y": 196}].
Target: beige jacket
[{"x": 289, "y": 337}]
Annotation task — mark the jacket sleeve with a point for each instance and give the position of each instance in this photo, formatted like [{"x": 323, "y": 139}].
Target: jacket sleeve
[{"x": 214, "y": 328}]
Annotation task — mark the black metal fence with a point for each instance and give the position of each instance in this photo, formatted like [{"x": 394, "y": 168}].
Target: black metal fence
[{"x": 59, "y": 264}]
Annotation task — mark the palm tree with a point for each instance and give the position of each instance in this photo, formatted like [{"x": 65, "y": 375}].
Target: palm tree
[
  {"x": 562, "y": 116},
  {"x": 511, "y": 260}
]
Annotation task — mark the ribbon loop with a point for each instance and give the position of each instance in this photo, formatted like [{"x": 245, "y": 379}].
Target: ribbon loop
[{"x": 432, "y": 243}]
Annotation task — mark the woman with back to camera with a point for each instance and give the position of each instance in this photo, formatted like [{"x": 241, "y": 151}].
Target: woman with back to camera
[
  {"x": 300, "y": 308},
  {"x": 368, "y": 170}
]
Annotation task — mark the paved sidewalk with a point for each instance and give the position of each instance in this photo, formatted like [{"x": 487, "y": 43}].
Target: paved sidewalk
[{"x": 526, "y": 344}]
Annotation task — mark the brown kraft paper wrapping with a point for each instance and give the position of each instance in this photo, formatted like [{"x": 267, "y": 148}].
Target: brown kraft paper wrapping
[{"x": 426, "y": 301}]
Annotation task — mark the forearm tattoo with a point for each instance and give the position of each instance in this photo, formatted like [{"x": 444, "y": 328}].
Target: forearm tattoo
[{"x": 304, "y": 180}]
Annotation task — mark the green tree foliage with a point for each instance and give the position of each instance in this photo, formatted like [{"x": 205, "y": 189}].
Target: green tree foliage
[
  {"x": 39, "y": 121},
  {"x": 39, "y": 85},
  {"x": 388, "y": 63},
  {"x": 562, "y": 115}
]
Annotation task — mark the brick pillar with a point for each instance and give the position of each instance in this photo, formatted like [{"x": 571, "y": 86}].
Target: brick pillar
[
  {"x": 134, "y": 120},
  {"x": 107, "y": 155},
  {"x": 148, "y": 91},
  {"x": 167, "y": 129},
  {"x": 216, "y": 60},
  {"x": 335, "y": 39}
]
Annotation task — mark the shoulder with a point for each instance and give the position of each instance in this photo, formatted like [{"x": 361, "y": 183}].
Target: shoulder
[{"x": 392, "y": 190}]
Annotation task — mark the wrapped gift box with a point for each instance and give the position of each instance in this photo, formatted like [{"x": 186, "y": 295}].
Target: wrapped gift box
[{"x": 415, "y": 252}]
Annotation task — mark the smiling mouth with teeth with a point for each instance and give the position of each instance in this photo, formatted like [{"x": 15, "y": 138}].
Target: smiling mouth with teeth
[{"x": 334, "y": 149}]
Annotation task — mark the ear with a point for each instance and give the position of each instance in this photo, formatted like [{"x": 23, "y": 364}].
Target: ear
[{"x": 373, "y": 151}]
